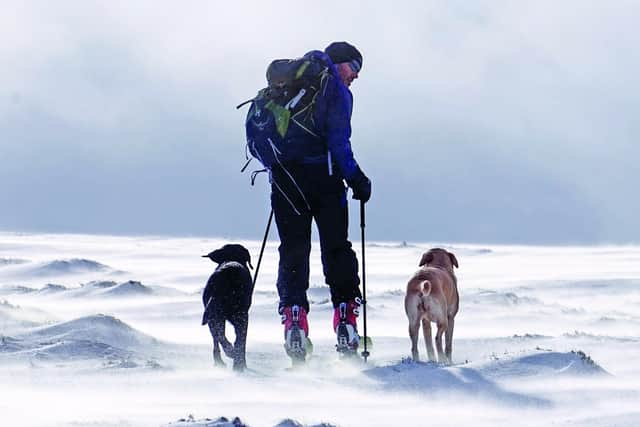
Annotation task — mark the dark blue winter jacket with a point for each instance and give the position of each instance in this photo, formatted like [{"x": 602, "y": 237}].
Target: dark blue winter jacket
[{"x": 332, "y": 116}]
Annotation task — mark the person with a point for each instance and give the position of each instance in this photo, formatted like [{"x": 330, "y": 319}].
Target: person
[{"x": 312, "y": 188}]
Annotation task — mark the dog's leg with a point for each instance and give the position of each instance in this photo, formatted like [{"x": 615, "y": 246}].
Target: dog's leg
[
  {"x": 227, "y": 347},
  {"x": 240, "y": 323},
  {"x": 428, "y": 340},
  {"x": 215, "y": 330},
  {"x": 411, "y": 303},
  {"x": 448, "y": 348},
  {"x": 414, "y": 329},
  {"x": 219, "y": 333},
  {"x": 442, "y": 326}
]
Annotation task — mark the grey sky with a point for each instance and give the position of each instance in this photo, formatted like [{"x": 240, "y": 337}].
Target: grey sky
[{"x": 485, "y": 121}]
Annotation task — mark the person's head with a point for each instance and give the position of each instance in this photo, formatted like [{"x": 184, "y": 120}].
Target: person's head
[{"x": 348, "y": 60}]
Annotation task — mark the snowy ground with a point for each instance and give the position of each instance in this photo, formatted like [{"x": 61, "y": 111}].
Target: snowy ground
[{"x": 104, "y": 331}]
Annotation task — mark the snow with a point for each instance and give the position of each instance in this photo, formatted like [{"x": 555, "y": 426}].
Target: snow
[
  {"x": 105, "y": 331},
  {"x": 11, "y": 261},
  {"x": 14, "y": 317},
  {"x": 59, "y": 267}
]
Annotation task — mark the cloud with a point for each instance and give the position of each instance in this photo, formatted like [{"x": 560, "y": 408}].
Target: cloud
[{"x": 516, "y": 120}]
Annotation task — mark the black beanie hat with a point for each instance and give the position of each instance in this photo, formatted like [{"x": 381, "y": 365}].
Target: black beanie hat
[{"x": 343, "y": 52}]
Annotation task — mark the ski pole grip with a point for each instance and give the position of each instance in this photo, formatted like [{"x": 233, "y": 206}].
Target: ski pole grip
[{"x": 361, "y": 214}]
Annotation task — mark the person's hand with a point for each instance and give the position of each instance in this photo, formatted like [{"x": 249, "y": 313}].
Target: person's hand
[{"x": 361, "y": 186}]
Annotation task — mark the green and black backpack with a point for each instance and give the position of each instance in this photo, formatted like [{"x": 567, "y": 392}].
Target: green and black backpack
[{"x": 282, "y": 113}]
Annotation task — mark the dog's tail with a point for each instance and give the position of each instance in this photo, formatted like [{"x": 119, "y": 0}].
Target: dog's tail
[{"x": 426, "y": 288}]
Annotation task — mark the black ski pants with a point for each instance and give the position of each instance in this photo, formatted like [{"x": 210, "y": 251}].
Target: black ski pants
[{"x": 299, "y": 195}]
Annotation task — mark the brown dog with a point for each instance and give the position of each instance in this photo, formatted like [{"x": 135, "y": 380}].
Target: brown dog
[{"x": 432, "y": 296}]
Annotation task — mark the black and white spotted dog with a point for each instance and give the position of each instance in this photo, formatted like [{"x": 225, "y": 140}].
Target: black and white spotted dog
[{"x": 227, "y": 298}]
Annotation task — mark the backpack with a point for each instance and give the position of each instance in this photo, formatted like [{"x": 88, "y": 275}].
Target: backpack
[{"x": 281, "y": 115}]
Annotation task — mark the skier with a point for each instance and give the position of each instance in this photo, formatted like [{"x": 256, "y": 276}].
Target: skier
[{"x": 312, "y": 188}]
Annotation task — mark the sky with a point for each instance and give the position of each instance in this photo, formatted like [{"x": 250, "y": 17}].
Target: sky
[{"x": 485, "y": 121}]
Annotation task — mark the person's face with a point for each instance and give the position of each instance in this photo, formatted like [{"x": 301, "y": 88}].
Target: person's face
[{"x": 347, "y": 73}]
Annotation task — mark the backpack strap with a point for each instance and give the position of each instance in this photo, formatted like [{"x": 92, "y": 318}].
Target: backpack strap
[{"x": 239, "y": 106}]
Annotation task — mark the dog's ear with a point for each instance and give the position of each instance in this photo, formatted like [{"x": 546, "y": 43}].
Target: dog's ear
[
  {"x": 454, "y": 261},
  {"x": 427, "y": 257},
  {"x": 247, "y": 257}
]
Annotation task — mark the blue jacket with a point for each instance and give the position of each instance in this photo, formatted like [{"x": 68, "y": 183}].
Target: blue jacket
[{"x": 332, "y": 117}]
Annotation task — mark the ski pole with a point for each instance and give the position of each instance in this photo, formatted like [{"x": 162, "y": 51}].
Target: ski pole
[
  {"x": 264, "y": 242},
  {"x": 365, "y": 353}
]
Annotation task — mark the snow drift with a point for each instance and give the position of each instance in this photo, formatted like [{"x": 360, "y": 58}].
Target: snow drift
[
  {"x": 95, "y": 289},
  {"x": 12, "y": 261},
  {"x": 71, "y": 266},
  {"x": 16, "y": 318},
  {"x": 191, "y": 421},
  {"x": 101, "y": 338},
  {"x": 101, "y": 328},
  {"x": 479, "y": 380}
]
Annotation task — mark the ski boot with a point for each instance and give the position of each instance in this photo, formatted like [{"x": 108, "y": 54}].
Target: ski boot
[
  {"x": 296, "y": 331},
  {"x": 344, "y": 324}
]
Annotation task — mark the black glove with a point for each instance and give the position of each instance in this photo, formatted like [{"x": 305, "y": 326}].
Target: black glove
[{"x": 361, "y": 186}]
